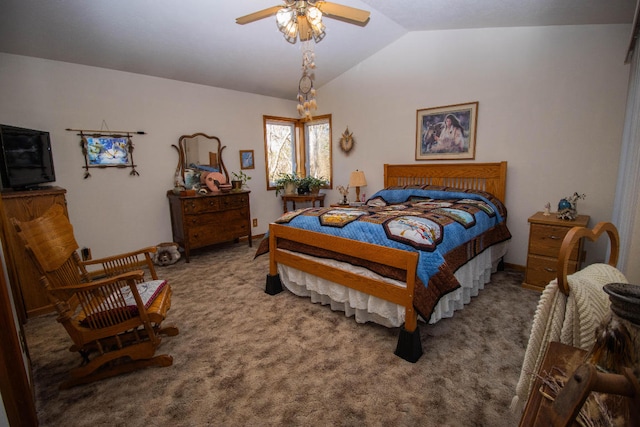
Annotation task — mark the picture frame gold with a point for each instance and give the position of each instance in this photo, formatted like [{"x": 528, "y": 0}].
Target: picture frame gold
[
  {"x": 247, "y": 159},
  {"x": 447, "y": 133}
]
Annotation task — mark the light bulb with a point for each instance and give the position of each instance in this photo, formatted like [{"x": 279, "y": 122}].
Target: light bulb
[{"x": 314, "y": 16}]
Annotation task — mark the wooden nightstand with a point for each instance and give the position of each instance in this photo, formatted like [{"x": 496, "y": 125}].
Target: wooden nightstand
[
  {"x": 293, "y": 198},
  {"x": 545, "y": 237}
]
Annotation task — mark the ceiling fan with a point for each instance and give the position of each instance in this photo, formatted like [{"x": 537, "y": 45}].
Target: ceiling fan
[{"x": 303, "y": 18}]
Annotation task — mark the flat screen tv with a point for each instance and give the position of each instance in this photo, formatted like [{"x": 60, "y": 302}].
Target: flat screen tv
[{"x": 26, "y": 161}]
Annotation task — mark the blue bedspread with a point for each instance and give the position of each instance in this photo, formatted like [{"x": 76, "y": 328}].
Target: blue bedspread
[{"x": 447, "y": 227}]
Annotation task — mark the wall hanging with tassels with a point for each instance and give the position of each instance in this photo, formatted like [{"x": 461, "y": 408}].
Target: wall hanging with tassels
[{"x": 105, "y": 149}]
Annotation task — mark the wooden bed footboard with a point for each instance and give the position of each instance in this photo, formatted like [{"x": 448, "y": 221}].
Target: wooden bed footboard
[{"x": 409, "y": 345}]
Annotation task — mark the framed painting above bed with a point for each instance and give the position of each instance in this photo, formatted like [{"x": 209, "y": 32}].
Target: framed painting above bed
[{"x": 447, "y": 133}]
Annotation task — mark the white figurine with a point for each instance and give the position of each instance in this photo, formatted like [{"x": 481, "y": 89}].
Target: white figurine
[
  {"x": 547, "y": 209},
  {"x": 344, "y": 191}
]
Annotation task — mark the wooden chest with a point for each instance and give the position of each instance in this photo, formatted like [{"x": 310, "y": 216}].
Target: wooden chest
[
  {"x": 545, "y": 237},
  {"x": 203, "y": 220}
]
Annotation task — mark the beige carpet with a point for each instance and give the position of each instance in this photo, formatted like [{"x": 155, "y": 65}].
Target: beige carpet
[{"x": 244, "y": 358}]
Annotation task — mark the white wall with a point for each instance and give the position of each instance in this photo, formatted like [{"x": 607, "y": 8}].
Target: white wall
[
  {"x": 112, "y": 211},
  {"x": 551, "y": 103}
]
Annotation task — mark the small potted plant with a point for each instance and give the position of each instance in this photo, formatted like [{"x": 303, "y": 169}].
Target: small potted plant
[
  {"x": 288, "y": 182},
  {"x": 311, "y": 185},
  {"x": 239, "y": 180}
]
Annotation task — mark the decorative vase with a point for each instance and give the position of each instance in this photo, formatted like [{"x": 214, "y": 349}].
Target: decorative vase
[
  {"x": 625, "y": 300},
  {"x": 618, "y": 337},
  {"x": 564, "y": 204},
  {"x": 290, "y": 188},
  {"x": 190, "y": 178},
  {"x": 236, "y": 185},
  {"x": 567, "y": 210}
]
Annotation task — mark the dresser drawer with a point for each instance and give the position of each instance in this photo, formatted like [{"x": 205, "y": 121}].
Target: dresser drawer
[
  {"x": 217, "y": 219},
  {"x": 541, "y": 270},
  {"x": 546, "y": 240},
  {"x": 201, "y": 204},
  {"x": 209, "y": 234},
  {"x": 233, "y": 202}
]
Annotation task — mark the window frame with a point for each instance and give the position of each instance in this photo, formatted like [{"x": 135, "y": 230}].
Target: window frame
[{"x": 300, "y": 146}]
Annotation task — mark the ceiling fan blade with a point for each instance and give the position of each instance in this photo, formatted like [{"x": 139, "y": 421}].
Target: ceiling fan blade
[
  {"x": 344, "y": 13},
  {"x": 255, "y": 16}
]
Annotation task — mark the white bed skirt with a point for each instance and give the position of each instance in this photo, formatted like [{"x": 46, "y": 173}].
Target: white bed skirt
[{"x": 366, "y": 308}]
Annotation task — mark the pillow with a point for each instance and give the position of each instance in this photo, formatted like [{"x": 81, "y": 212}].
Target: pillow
[{"x": 148, "y": 292}]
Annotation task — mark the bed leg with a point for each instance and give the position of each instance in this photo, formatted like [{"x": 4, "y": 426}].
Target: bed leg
[
  {"x": 409, "y": 345},
  {"x": 274, "y": 284}
]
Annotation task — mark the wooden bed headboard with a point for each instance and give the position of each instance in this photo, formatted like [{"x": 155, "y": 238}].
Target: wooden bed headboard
[{"x": 490, "y": 177}]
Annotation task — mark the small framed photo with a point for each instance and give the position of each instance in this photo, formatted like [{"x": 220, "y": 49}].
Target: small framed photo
[
  {"x": 246, "y": 159},
  {"x": 447, "y": 133}
]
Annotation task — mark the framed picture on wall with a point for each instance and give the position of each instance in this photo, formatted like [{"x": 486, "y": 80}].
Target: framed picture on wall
[
  {"x": 246, "y": 159},
  {"x": 104, "y": 150},
  {"x": 447, "y": 133}
]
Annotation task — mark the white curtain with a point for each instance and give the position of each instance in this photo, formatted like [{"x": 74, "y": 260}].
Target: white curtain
[{"x": 628, "y": 186}]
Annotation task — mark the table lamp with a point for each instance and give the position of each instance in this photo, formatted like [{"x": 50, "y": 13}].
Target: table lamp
[{"x": 357, "y": 180}]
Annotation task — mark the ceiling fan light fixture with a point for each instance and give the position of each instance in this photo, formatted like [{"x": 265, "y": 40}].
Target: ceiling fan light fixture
[
  {"x": 318, "y": 36},
  {"x": 287, "y": 22},
  {"x": 302, "y": 19},
  {"x": 303, "y": 22},
  {"x": 314, "y": 16},
  {"x": 284, "y": 16}
]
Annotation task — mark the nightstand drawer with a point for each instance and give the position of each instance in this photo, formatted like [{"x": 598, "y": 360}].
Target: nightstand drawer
[
  {"x": 546, "y": 240},
  {"x": 541, "y": 270}
]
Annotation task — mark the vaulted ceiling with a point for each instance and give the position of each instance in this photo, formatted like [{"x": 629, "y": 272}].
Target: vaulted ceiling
[{"x": 198, "y": 41}]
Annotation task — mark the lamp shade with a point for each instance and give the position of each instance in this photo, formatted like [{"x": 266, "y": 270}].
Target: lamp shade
[{"x": 357, "y": 179}]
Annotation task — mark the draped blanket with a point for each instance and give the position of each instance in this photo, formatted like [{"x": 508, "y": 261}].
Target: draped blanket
[
  {"x": 571, "y": 320},
  {"x": 446, "y": 226}
]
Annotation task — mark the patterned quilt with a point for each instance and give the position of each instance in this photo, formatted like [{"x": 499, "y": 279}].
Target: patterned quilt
[{"x": 446, "y": 226}]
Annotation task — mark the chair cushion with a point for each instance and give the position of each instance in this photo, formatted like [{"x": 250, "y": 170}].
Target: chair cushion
[{"x": 148, "y": 292}]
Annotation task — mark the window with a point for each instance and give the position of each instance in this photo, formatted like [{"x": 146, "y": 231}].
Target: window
[{"x": 299, "y": 147}]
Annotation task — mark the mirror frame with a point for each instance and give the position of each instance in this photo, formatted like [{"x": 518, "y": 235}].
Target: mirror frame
[{"x": 182, "y": 153}]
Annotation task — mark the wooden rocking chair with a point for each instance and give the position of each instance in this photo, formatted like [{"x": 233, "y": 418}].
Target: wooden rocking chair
[{"x": 111, "y": 311}]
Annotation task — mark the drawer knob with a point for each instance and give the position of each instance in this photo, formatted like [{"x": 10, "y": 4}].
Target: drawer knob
[
  {"x": 550, "y": 270},
  {"x": 552, "y": 237}
]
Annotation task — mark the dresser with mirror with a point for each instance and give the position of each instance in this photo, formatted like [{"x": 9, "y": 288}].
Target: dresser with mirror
[{"x": 204, "y": 211}]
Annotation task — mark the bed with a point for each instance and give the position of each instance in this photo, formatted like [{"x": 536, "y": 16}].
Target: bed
[{"x": 404, "y": 277}]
